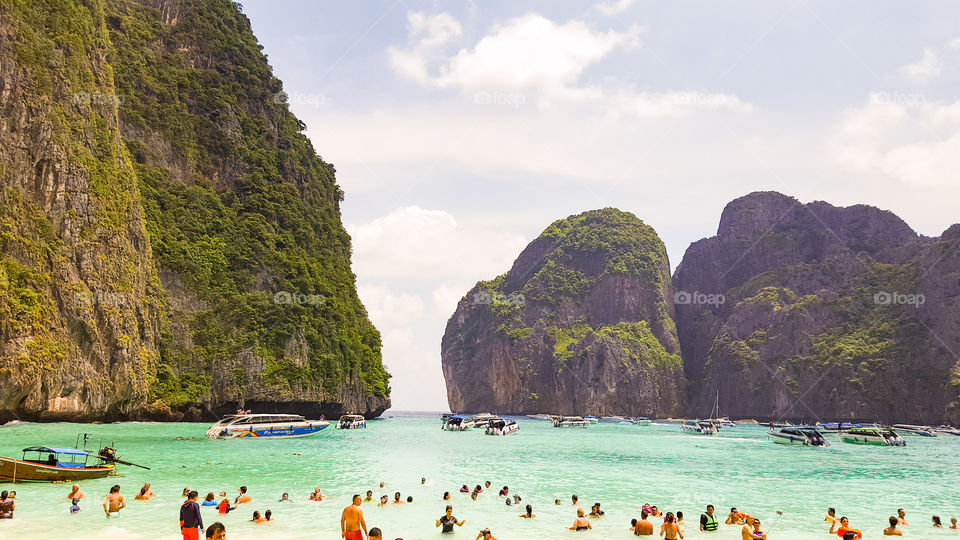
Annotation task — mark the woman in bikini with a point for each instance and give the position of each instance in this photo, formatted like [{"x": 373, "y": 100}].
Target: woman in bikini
[{"x": 670, "y": 530}]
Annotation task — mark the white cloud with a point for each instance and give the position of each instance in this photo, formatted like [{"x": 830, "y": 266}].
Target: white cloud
[
  {"x": 417, "y": 243},
  {"x": 930, "y": 66},
  {"x": 387, "y": 307},
  {"x": 427, "y": 35},
  {"x": 909, "y": 140},
  {"x": 532, "y": 59},
  {"x": 446, "y": 297},
  {"x": 614, "y": 8}
]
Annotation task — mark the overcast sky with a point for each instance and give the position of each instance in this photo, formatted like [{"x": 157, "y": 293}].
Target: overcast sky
[{"x": 461, "y": 130}]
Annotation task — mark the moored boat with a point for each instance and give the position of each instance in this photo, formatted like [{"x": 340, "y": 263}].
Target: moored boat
[
  {"x": 640, "y": 421},
  {"x": 458, "y": 422},
  {"x": 280, "y": 426},
  {"x": 569, "y": 421},
  {"x": 481, "y": 420},
  {"x": 54, "y": 464},
  {"x": 501, "y": 426},
  {"x": 947, "y": 430},
  {"x": 592, "y": 419},
  {"x": 352, "y": 421},
  {"x": 803, "y": 436},
  {"x": 699, "y": 427},
  {"x": 909, "y": 429},
  {"x": 873, "y": 436}
]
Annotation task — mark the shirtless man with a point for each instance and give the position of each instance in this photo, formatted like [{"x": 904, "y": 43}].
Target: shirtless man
[
  {"x": 581, "y": 523},
  {"x": 145, "y": 493},
  {"x": 892, "y": 529},
  {"x": 75, "y": 493},
  {"x": 643, "y": 527},
  {"x": 114, "y": 502},
  {"x": 746, "y": 533},
  {"x": 352, "y": 525},
  {"x": 242, "y": 497},
  {"x": 901, "y": 517}
]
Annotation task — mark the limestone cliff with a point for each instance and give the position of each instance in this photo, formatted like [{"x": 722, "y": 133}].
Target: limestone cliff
[
  {"x": 579, "y": 325},
  {"x": 169, "y": 240},
  {"x": 828, "y": 313}
]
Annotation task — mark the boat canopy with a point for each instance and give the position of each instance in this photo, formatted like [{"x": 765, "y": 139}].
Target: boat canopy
[{"x": 57, "y": 450}]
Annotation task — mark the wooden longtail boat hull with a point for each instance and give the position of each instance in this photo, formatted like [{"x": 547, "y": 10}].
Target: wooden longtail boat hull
[{"x": 15, "y": 470}]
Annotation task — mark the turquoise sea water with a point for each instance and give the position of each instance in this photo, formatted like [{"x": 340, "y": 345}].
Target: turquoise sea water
[{"x": 620, "y": 466}]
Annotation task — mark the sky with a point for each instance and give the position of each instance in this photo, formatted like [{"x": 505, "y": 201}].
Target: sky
[{"x": 461, "y": 130}]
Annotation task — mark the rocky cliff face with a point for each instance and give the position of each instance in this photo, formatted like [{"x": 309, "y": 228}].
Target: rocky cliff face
[
  {"x": 579, "y": 325},
  {"x": 170, "y": 240},
  {"x": 820, "y": 312}
]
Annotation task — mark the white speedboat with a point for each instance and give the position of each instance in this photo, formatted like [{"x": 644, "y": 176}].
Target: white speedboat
[
  {"x": 352, "y": 421},
  {"x": 909, "y": 429},
  {"x": 501, "y": 426},
  {"x": 640, "y": 421},
  {"x": 279, "y": 426},
  {"x": 872, "y": 436},
  {"x": 803, "y": 436},
  {"x": 481, "y": 420},
  {"x": 569, "y": 421},
  {"x": 615, "y": 419},
  {"x": 698, "y": 427},
  {"x": 592, "y": 419},
  {"x": 947, "y": 430},
  {"x": 457, "y": 422}
]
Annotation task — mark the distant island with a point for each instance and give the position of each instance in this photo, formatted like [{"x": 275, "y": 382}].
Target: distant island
[{"x": 792, "y": 311}]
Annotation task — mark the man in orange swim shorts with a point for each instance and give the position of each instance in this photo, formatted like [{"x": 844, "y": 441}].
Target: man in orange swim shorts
[{"x": 352, "y": 525}]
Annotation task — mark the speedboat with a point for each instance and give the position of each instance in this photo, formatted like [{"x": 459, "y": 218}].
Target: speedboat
[
  {"x": 699, "y": 427},
  {"x": 804, "y": 436},
  {"x": 481, "y": 420},
  {"x": 501, "y": 426},
  {"x": 908, "y": 429},
  {"x": 837, "y": 427},
  {"x": 352, "y": 421},
  {"x": 540, "y": 416},
  {"x": 54, "y": 464},
  {"x": 948, "y": 430},
  {"x": 874, "y": 436},
  {"x": 616, "y": 419},
  {"x": 236, "y": 426},
  {"x": 592, "y": 419},
  {"x": 458, "y": 422},
  {"x": 569, "y": 421}
]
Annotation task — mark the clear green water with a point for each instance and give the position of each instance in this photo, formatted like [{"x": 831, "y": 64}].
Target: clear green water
[{"x": 621, "y": 466}]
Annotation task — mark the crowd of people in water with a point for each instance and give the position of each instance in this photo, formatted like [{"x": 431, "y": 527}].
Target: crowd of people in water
[{"x": 354, "y": 527}]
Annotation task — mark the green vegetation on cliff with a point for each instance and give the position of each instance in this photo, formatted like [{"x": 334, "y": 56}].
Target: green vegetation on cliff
[{"x": 183, "y": 136}]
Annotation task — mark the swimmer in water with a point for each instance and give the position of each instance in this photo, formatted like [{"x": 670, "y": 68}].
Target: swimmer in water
[
  {"x": 384, "y": 500},
  {"x": 113, "y": 503},
  {"x": 581, "y": 523},
  {"x": 670, "y": 530},
  {"x": 901, "y": 517},
  {"x": 529, "y": 513},
  {"x": 892, "y": 529},
  {"x": 75, "y": 493},
  {"x": 446, "y": 495},
  {"x": 464, "y": 489},
  {"x": 556, "y": 502},
  {"x": 643, "y": 527},
  {"x": 936, "y": 522},
  {"x": 832, "y": 518},
  {"x": 397, "y": 499},
  {"x": 447, "y": 521},
  {"x": 473, "y": 495},
  {"x": 145, "y": 493},
  {"x": 485, "y": 535},
  {"x": 242, "y": 497},
  {"x": 352, "y": 523},
  {"x": 369, "y": 497},
  {"x": 574, "y": 500}
]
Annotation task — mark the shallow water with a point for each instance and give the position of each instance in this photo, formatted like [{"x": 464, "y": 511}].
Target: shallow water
[{"x": 620, "y": 466}]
